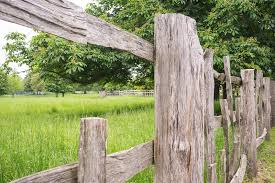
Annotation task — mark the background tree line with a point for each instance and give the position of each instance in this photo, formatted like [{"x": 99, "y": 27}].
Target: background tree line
[{"x": 243, "y": 29}]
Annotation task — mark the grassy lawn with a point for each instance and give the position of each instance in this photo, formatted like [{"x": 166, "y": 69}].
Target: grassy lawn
[{"x": 37, "y": 133}]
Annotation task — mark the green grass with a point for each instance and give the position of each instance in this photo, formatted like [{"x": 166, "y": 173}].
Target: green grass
[
  {"x": 37, "y": 133},
  {"x": 42, "y": 132}
]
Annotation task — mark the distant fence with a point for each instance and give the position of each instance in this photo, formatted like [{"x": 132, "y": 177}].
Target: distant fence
[
  {"x": 144, "y": 93},
  {"x": 184, "y": 102}
]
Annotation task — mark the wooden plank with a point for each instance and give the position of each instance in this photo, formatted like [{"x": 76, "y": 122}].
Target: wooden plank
[
  {"x": 64, "y": 19},
  {"x": 261, "y": 139},
  {"x": 236, "y": 152},
  {"x": 267, "y": 106},
  {"x": 92, "y": 150},
  {"x": 210, "y": 147},
  {"x": 124, "y": 165},
  {"x": 179, "y": 87},
  {"x": 272, "y": 89},
  {"x": 239, "y": 176},
  {"x": 133, "y": 160},
  {"x": 249, "y": 125},
  {"x": 223, "y": 165},
  {"x": 225, "y": 124}
]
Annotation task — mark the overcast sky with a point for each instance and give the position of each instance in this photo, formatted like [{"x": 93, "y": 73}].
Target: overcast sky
[{"x": 6, "y": 27}]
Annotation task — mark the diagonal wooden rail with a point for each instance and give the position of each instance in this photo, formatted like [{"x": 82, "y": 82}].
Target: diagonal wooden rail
[{"x": 69, "y": 21}]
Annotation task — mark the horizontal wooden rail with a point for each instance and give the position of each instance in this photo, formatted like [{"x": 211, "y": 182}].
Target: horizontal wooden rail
[
  {"x": 120, "y": 167},
  {"x": 239, "y": 176},
  {"x": 261, "y": 139}
]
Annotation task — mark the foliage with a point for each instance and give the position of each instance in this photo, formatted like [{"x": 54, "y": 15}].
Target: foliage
[
  {"x": 3, "y": 82},
  {"x": 15, "y": 84}
]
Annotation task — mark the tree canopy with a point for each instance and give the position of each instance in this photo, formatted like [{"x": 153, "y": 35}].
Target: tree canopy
[{"x": 242, "y": 29}]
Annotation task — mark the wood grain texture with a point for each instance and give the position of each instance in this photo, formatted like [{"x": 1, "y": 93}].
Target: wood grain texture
[
  {"x": 228, "y": 83},
  {"x": 259, "y": 117},
  {"x": 62, "y": 174},
  {"x": 272, "y": 92},
  {"x": 179, "y": 87},
  {"x": 210, "y": 146},
  {"x": 261, "y": 139},
  {"x": 267, "y": 106},
  {"x": 249, "y": 125},
  {"x": 92, "y": 151},
  {"x": 236, "y": 152},
  {"x": 225, "y": 125},
  {"x": 124, "y": 165},
  {"x": 65, "y": 19},
  {"x": 223, "y": 165},
  {"x": 239, "y": 176},
  {"x": 133, "y": 161},
  {"x": 221, "y": 77}
]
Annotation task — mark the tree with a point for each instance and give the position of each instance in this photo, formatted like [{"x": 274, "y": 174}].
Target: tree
[
  {"x": 3, "y": 82},
  {"x": 57, "y": 86},
  {"x": 15, "y": 84}
]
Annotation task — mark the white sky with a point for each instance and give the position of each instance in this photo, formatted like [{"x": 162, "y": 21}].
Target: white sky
[{"x": 6, "y": 27}]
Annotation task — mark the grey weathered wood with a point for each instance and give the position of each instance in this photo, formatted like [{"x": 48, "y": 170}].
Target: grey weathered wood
[
  {"x": 239, "y": 176},
  {"x": 228, "y": 83},
  {"x": 261, "y": 139},
  {"x": 249, "y": 125},
  {"x": 124, "y": 165},
  {"x": 272, "y": 93},
  {"x": 236, "y": 152},
  {"x": 92, "y": 151},
  {"x": 259, "y": 102},
  {"x": 217, "y": 123},
  {"x": 209, "y": 118},
  {"x": 223, "y": 165},
  {"x": 267, "y": 106},
  {"x": 120, "y": 166},
  {"x": 64, "y": 19},
  {"x": 225, "y": 124},
  {"x": 179, "y": 87},
  {"x": 221, "y": 77},
  {"x": 65, "y": 173}
]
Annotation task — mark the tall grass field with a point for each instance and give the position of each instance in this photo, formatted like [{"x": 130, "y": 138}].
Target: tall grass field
[{"x": 38, "y": 133}]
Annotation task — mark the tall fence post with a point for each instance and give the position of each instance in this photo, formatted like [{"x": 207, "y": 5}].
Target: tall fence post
[
  {"x": 179, "y": 101},
  {"x": 209, "y": 118},
  {"x": 267, "y": 106},
  {"x": 92, "y": 151},
  {"x": 249, "y": 125},
  {"x": 259, "y": 102}
]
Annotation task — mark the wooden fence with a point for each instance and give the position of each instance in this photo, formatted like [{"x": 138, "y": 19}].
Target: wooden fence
[
  {"x": 184, "y": 102},
  {"x": 144, "y": 93}
]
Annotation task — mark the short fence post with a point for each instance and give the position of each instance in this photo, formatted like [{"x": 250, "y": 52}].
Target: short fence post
[
  {"x": 92, "y": 151},
  {"x": 267, "y": 106},
  {"x": 249, "y": 125},
  {"x": 179, "y": 101}
]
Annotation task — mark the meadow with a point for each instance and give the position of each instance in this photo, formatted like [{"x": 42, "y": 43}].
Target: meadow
[{"x": 37, "y": 133}]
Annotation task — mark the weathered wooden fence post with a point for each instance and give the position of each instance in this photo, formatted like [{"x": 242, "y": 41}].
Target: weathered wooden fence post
[
  {"x": 179, "y": 101},
  {"x": 92, "y": 151},
  {"x": 267, "y": 106},
  {"x": 210, "y": 146},
  {"x": 259, "y": 102},
  {"x": 249, "y": 125}
]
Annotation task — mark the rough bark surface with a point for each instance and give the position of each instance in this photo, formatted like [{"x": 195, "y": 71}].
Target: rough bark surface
[
  {"x": 267, "y": 106},
  {"x": 120, "y": 167},
  {"x": 259, "y": 102},
  {"x": 209, "y": 118},
  {"x": 236, "y": 152},
  {"x": 239, "y": 176},
  {"x": 249, "y": 125},
  {"x": 179, "y": 87},
  {"x": 261, "y": 139},
  {"x": 92, "y": 151},
  {"x": 225, "y": 124}
]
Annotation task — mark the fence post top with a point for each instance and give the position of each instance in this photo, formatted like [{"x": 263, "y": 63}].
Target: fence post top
[{"x": 93, "y": 119}]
